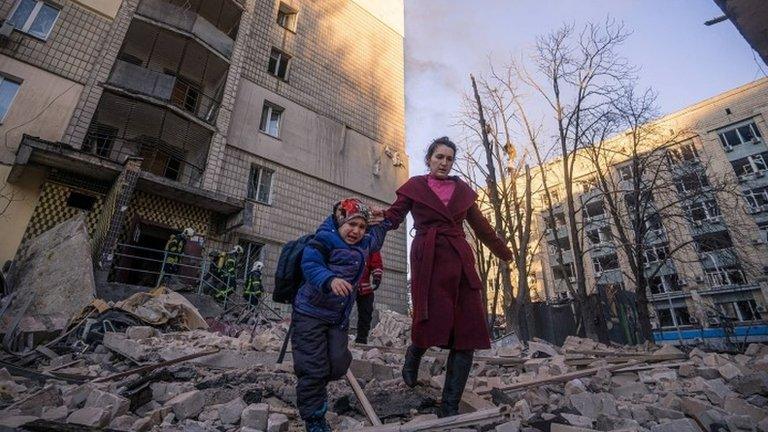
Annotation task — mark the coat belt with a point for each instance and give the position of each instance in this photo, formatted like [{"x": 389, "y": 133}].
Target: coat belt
[{"x": 421, "y": 308}]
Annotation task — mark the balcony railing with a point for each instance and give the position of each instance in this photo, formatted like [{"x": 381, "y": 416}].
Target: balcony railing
[
  {"x": 164, "y": 87},
  {"x": 187, "y": 21},
  {"x": 159, "y": 158}
]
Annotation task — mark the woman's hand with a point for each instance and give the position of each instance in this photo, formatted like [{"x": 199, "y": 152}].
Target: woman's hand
[
  {"x": 377, "y": 216},
  {"x": 340, "y": 287}
]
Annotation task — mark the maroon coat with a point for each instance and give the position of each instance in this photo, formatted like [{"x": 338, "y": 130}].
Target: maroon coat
[{"x": 445, "y": 288}]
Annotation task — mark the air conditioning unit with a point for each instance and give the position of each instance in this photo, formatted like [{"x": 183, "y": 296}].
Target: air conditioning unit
[
  {"x": 697, "y": 223},
  {"x": 699, "y": 279},
  {"x": 761, "y": 308},
  {"x": 728, "y": 148},
  {"x": 5, "y": 30},
  {"x": 572, "y": 279}
]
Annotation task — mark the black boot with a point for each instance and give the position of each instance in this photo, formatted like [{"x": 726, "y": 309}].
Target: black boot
[
  {"x": 456, "y": 374},
  {"x": 411, "y": 365}
]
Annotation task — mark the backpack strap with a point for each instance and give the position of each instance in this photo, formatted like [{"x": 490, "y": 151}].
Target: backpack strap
[{"x": 324, "y": 251}]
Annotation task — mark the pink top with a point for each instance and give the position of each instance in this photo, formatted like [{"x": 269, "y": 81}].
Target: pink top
[{"x": 443, "y": 188}]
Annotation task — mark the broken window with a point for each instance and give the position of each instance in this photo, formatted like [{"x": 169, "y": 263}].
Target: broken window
[
  {"x": 34, "y": 17},
  {"x": 757, "y": 197},
  {"x": 664, "y": 284},
  {"x": 99, "y": 139},
  {"x": 691, "y": 182},
  {"x": 8, "y": 90},
  {"x": 740, "y": 310},
  {"x": 678, "y": 316},
  {"x": 703, "y": 211},
  {"x": 562, "y": 272},
  {"x": 683, "y": 153},
  {"x": 724, "y": 276},
  {"x": 286, "y": 17},
  {"x": 739, "y": 134},
  {"x": 655, "y": 254},
  {"x": 594, "y": 209},
  {"x": 186, "y": 95},
  {"x": 713, "y": 241},
  {"x": 604, "y": 263},
  {"x": 271, "y": 115},
  {"x": 260, "y": 184},
  {"x": 278, "y": 64},
  {"x": 252, "y": 252},
  {"x": 750, "y": 164}
]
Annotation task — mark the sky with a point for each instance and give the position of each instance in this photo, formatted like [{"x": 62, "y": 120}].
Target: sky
[{"x": 446, "y": 40}]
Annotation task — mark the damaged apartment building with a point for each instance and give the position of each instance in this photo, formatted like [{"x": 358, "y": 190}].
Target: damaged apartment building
[
  {"x": 242, "y": 119},
  {"x": 705, "y": 258}
]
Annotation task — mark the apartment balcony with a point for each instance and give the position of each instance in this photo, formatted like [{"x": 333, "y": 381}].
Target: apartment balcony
[
  {"x": 718, "y": 259},
  {"x": 164, "y": 89},
  {"x": 196, "y": 19}
]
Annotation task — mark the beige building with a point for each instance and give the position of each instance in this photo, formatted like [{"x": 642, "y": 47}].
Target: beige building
[
  {"x": 243, "y": 119},
  {"x": 706, "y": 256}
]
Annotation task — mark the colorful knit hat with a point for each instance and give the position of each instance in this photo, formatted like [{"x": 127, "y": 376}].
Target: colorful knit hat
[{"x": 350, "y": 208}]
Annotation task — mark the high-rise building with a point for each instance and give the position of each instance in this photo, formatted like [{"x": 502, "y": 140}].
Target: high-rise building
[
  {"x": 242, "y": 119},
  {"x": 705, "y": 253}
]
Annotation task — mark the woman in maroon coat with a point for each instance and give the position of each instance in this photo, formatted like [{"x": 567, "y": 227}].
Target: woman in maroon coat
[{"x": 445, "y": 288}]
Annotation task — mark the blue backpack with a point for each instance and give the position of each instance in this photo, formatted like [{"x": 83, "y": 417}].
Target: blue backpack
[{"x": 288, "y": 275}]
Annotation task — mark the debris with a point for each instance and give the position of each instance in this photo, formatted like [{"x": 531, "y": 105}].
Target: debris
[
  {"x": 255, "y": 416},
  {"x": 89, "y": 416},
  {"x": 367, "y": 408},
  {"x": 187, "y": 405},
  {"x": 54, "y": 276}
]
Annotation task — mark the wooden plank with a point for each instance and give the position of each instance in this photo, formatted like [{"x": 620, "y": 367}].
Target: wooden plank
[
  {"x": 432, "y": 352},
  {"x": 559, "y": 378},
  {"x": 147, "y": 368},
  {"x": 367, "y": 407},
  {"x": 493, "y": 415}
]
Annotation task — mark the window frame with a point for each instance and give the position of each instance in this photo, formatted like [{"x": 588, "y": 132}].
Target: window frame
[
  {"x": 253, "y": 194},
  {"x": 18, "y": 82},
  {"x": 33, "y": 16},
  {"x": 280, "y": 56},
  {"x": 270, "y": 108},
  {"x": 291, "y": 17},
  {"x": 752, "y": 126}
]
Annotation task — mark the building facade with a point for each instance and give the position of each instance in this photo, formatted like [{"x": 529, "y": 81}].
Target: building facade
[
  {"x": 243, "y": 119},
  {"x": 705, "y": 257}
]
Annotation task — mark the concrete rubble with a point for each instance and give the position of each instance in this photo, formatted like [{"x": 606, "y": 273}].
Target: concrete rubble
[{"x": 239, "y": 386}]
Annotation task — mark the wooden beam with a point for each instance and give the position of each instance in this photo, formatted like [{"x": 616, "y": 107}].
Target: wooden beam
[
  {"x": 367, "y": 407},
  {"x": 151, "y": 367},
  {"x": 493, "y": 415},
  {"x": 559, "y": 378}
]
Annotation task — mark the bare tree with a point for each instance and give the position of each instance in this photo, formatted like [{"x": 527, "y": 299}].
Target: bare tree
[{"x": 489, "y": 118}]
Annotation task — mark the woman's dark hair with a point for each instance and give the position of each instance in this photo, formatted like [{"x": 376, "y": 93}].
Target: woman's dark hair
[{"x": 437, "y": 142}]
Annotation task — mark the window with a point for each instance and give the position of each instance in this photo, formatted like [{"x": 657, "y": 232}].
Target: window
[
  {"x": 757, "y": 197},
  {"x": 278, "y": 64},
  {"x": 664, "y": 284},
  {"x": 626, "y": 172},
  {"x": 594, "y": 209},
  {"x": 608, "y": 262},
  {"x": 589, "y": 184},
  {"x": 563, "y": 244},
  {"x": 81, "y": 201},
  {"x": 566, "y": 271},
  {"x": 750, "y": 164},
  {"x": 186, "y": 95},
  {"x": 286, "y": 17},
  {"x": 99, "y": 140},
  {"x": 678, "y": 316},
  {"x": 656, "y": 254},
  {"x": 741, "y": 310},
  {"x": 8, "y": 90},
  {"x": 271, "y": 115},
  {"x": 691, "y": 182},
  {"x": 713, "y": 241},
  {"x": 34, "y": 17},
  {"x": 703, "y": 211},
  {"x": 683, "y": 153},
  {"x": 260, "y": 184},
  {"x": 739, "y": 134},
  {"x": 725, "y": 276},
  {"x": 594, "y": 237}
]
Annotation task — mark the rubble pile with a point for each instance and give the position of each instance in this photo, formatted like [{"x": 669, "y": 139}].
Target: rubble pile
[{"x": 226, "y": 377}]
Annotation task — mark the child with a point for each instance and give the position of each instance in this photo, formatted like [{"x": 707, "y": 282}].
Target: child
[{"x": 332, "y": 264}]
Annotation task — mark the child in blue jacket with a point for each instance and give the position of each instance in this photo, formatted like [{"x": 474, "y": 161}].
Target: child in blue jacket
[{"x": 332, "y": 264}]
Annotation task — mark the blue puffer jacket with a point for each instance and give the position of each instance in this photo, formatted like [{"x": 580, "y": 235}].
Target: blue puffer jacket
[{"x": 345, "y": 261}]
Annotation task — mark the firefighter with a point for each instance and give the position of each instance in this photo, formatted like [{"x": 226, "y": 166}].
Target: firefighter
[
  {"x": 174, "y": 248},
  {"x": 253, "y": 288},
  {"x": 227, "y": 265}
]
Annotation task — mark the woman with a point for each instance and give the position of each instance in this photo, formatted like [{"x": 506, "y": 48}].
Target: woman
[{"x": 445, "y": 288}]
